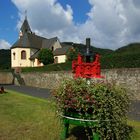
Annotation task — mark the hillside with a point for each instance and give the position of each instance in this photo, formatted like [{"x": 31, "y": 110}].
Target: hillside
[
  {"x": 124, "y": 57},
  {"x": 82, "y": 48},
  {"x": 131, "y": 48},
  {"x": 5, "y": 59}
]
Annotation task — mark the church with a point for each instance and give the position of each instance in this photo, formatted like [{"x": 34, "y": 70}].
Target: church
[{"x": 25, "y": 50}]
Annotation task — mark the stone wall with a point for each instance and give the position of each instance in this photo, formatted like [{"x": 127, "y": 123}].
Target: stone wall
[
  {"x": 6, "y": 78},
  {"x": 45, "y": 80},
  {"x": 128, "y": 78}
]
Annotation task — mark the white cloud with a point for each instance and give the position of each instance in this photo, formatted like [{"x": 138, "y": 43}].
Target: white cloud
[
  {"x": 110, "y": 23},
  {"x": 45, "y": 16},
  {"x": 4, "y": 44}
]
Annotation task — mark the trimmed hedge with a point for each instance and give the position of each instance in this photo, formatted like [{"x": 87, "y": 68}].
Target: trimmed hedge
[
  {"x": 50, "y": 67},
  {"x": 118, "y": 60}
]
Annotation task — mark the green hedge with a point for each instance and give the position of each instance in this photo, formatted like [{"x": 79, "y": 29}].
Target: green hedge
[
  {"x": 117, "y": 60},
  {"x": 50, "y": 67},
  {"x": 114, "y": 60}
]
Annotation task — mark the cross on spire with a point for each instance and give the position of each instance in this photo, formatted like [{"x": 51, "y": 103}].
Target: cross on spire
[{"x": 26, "y": 14}]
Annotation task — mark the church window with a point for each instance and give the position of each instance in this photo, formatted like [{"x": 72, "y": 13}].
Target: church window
[
  {"x": 23, "y": 54},
  {"x": 14, "y": 55}
]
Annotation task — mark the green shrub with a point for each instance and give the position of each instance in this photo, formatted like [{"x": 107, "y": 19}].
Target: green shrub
[
  {"x": 50, "y": 67},
  {"x": 104, "y": 102},
  {"x": 45, "y": 56},
  {"x": 72, "y": 54}
]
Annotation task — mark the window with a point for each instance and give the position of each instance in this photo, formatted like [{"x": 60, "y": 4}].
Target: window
[
  {"x": 23, "y": 54},
  {"x": 56, "y": 60},
  {"x": 14, "y": 55},
  {"x": 52, "y": 48}
]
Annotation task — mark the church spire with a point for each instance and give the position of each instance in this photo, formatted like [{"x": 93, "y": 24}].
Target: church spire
[{"x": 25, "y": 28}]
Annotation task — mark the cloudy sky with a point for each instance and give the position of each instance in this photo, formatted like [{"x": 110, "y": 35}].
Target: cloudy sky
[{"x": 109, "y": 23}]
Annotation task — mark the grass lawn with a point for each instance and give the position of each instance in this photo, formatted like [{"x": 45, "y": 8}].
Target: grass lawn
[
  {"x": 24, "y": 117},
  {"x": 27, "y": 118}
]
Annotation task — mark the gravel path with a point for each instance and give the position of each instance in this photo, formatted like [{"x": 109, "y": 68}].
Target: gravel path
[{"x": 134, "y": 112}]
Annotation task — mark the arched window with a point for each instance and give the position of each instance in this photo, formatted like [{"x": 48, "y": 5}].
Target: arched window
[
  {"x": 23, "y": 54},
  {"x": 14, "y": 55}
]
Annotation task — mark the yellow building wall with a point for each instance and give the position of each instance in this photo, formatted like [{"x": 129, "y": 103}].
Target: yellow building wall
[
  {"x": 61, "y": 58},
  {"x": 17, "y": 61},
  {"x": 37, "y": 63}
]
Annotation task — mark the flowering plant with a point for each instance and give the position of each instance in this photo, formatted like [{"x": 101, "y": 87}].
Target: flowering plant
[{"x": 106, "y": 103}]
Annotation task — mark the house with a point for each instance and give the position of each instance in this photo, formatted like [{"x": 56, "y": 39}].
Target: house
[
  {"x": 25, "y": 50},
  {"x": 60, "y": 54}
]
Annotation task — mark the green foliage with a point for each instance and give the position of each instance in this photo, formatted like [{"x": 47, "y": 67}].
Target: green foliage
[
  {"x": 119, "y": 60},
  {"x": 124, "y": 57},
  {"x": 72, "y": 54},
  {"x": 82, "y": 48},
  {"x": 50, "y": 67},
  {"x": 5, "y": 59},
  {"x": 98, "y": 101},
  {"x": 45, "y": 56}
]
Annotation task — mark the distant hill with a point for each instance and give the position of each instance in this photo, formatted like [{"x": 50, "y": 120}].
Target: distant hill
[
  {"x": 82, "y": 48},
  {"x": 124, "y": 57},
  {"x": 5, "y": 59},
  {"x": 131, "y": 48}
]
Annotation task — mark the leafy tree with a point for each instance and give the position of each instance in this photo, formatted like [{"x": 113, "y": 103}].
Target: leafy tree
[
  {"x": 45, "y": 56},
  {"x": 5, "y": 59},
  {"x": 72, "y": 54}
]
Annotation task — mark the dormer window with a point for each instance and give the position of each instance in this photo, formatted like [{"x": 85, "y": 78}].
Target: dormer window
[{"x": 23, "y": 54}]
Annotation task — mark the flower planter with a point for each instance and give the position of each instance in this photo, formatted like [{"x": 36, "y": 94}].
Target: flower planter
[
  {"x": 79, "y": 120},
  {"x": 99, "y": 106}
]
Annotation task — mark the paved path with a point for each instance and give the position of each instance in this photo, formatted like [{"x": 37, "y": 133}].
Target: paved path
[
  {"x": 33, "y": 91},
  {"x": 45, "y": 93}
]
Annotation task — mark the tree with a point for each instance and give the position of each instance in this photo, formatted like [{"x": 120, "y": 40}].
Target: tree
[
  {"x": 45, "y": 56},
  {"x": 72, "y": 54}
]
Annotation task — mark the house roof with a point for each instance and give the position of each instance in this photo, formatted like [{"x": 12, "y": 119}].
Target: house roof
[
  {"x": 63, "y": 50},
  {"x": 48, "y": 43},
  {"x": 29, "y": 40}
]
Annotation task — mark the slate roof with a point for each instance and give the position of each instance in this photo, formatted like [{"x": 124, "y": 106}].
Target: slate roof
[
  {"x": 25, "y": 28},
  {"x": 29, "y": 40},
  {"x": 63, "y": 50},
  {"x": 48, "y": 43}
]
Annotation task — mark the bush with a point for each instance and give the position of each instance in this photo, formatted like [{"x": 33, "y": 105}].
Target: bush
[
  {"x": 49, "y": 67},
  {"x": 72, "y": 54},
  {"x": 45, "y": 56},
  {"x": 98, "y": 101}
]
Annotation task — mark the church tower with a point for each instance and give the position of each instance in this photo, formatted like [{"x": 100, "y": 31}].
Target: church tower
[{"x": 25, "y": 28}]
